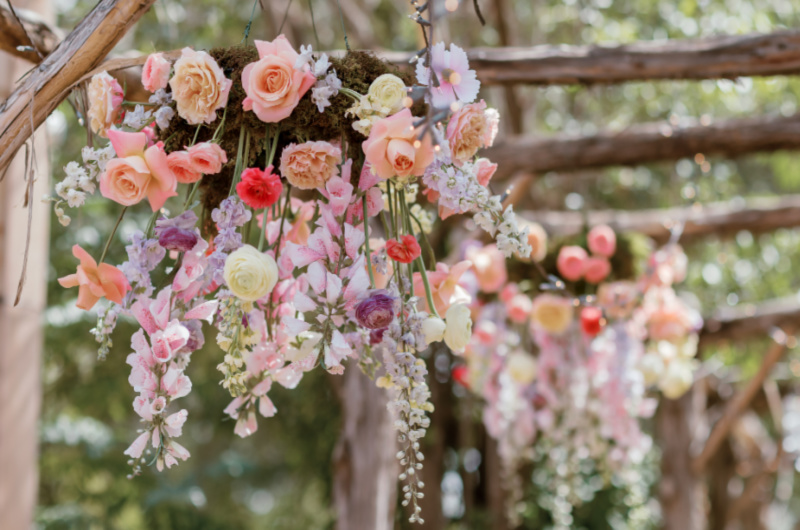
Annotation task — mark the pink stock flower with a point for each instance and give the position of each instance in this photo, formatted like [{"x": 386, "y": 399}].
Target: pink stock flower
[
  {"x": 95, "y": 281},
  {"x": 167, "y": 342},
  {"x": 466, "y": 132},
  {"x": 485, "y": 170},
  {"x": 181, "y": 166},
  {"x": 456, "y": 81},
  {"x": 444, "y": 286},
  {"x": 309, "y": 165},
  {"x": 489, "y": 266},
  {"x": 273, "y": 85},
  {"x": 155, "y": 73},
  {"x": 199, "y": 87},
  {"x": 595, "y": 269},
  {"x": 339, "y": 194},
  {"x": 602, "y": 241},
  {"x": 207, "y": 158},
  {"x": 571, "y": 263},
  {"x": 173, "y": 423},
  {"x": 137, "y": 173},
  {"x": 393, "y": 148}
]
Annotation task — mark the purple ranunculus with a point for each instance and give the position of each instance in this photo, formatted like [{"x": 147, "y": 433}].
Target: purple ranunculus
[
  {"x": 173, "y": 238},
  {"x": 377, "y": 310},
  {"x": 376, "y": 336}
]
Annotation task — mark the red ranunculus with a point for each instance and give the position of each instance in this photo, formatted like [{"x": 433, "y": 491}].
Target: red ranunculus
[
  {"x": 259, "y": 188},
  {"x": 591, "y": 320},
  {"x": 406, "y": 251}
]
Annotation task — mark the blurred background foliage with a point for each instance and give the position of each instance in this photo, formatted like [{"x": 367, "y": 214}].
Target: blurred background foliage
[{"x": 280, "y": 477}]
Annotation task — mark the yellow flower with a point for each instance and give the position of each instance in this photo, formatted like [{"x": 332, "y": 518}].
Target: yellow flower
[
  {"x": 388, "y": 91},
  {"x": 250, "y": 274},
  {"x": 552, "y": 313},
  {"x": 521, "y": 367}
]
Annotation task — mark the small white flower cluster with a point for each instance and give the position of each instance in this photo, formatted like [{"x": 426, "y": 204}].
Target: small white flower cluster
[
  {"x": 106, "y": 322},
  {"x": 80, "y": 181},
  {"x": 424, "y": 217},
  {"x": 327, "y": 85},
  {"x": 511, "y": 239},
  {"x": 368, "y": 112},
  {"x": 165, "y": 112},
  {"x": 138, "y": 118}
]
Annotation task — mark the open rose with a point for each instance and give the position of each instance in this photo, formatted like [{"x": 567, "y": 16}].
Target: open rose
[
  {"x": 105, "y": 99},
  {"x": 571, "y": 262},
  {"x": 250, "y": 274},
  {"x": 155, "y": 73},
  {"x": 467, "y": 131},
  {"x": 602, "y": 241},
  {"x": 273, "y": 85},
  {"x": 393, "y": 149},
  {"x": 180, "y": 163},
  {"x": 199, "y": 87},
  {"x": 309, "y": 165},
  {"x": 207, "y": 158},
  {"x": 595, "y": 269},
  {"x": 552, "y": 313}
]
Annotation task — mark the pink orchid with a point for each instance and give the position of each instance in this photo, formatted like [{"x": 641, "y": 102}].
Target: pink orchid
[
  {"x": 456, "y": 81},
  {"x": 95, "y": 281},
  {"x": 444, "y": 286}
]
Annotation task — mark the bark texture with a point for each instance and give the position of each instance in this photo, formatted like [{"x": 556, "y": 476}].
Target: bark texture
[
  {"x": 748, "y": 321},
  {"x": 34, "y": 32}
]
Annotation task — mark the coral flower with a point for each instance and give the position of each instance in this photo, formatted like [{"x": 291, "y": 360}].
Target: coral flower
[
  {"x": 571, "y": 263},
  {"x": 404, "y": 251},
  {"x": 456, "y": 81},
  {"x": 393, "y": 149},
  {"x": 602, "y": 241},
  {"x": 95, "y": 281},
  {"x": 259, "y": 188}
]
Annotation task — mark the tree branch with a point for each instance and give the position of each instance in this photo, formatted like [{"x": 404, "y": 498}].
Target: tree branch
[
  {"x": 748, "y": 321},
  {"x": 33, "y": 30}
]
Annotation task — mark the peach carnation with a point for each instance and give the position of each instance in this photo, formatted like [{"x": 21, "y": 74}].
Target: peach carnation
[{"x": 309, "y": 165}]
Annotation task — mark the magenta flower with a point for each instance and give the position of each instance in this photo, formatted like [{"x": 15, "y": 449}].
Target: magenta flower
[
  {"x": 456, "y": 81},
  {"x": 173, "y": 238},
  {"x": 377, "y": 310}
]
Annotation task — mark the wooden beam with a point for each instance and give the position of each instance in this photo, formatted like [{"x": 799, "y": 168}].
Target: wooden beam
[
  {"x": 719, "y": 219},
  {"x": 34, "y": 28},
  {"x": 748, "y": 321},
  {"x": 47, "y": 85}
]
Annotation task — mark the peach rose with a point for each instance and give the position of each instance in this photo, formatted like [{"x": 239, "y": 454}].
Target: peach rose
[
  {"x": 155, "y": 73},
  {"x": 390, "y": 148},
  {"x": 207, "y": 158},
  {"x": 489, "y": 266},
  {"x": 137, "y": 172},
  {"x": 309, "y": 165},
  {"x": 273, "y": 85},
  {"x": 181, "y": 166},
  {"x": 199, "y": 87},
  {"x": 595, "y": 269},
  {"x": 602, "y": 241},
  {"x": 571, "y": 262},
  {"x": 552, "y": 313},
  {"x": 105, "y": 99},
  {"x": 467, "y": 131},
  {"x": 485, "y": 170},
  {"x": 95, "y": 281}
]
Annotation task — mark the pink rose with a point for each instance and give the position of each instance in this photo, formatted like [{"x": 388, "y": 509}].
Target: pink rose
[
  {"x": 485, "y": 170},
  {"x": 309, "y": 165},
  {"x": 519, "y": 308},
  {"x": 602, "y": 241},
  {"x": 273, "y": 85},
  {"x": 155, "y": 73},
  {"x": 199, "y": 87},
  {"x": 489, "y": 266},
  {"x": 467, "y": 131},
  {"x": 180, "y": 163},
  {"x": 105, "y": 98},
  {"x": 595, "y": 269},
  {"x": 671, "y": 323},
  {"x": 207, "y": 158},
  {"x": 137, "y": 172},
  {"x": 393, "y": 149},
  {"x": 571, "y": 262}
]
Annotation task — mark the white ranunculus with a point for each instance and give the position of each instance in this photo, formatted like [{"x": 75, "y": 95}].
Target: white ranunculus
[
  {"x": 677, "y": 378},
  {"x": 388, "y": 91},
  {"x": 459, "y": 327},
  {"x": 652, "y": 367},
  {"x": 433, "y": 328},
  {"x": 250, "y": 274},
  {"x": 521, "y": 366}
]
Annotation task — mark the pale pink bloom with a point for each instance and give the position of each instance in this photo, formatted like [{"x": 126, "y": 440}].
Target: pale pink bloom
[
  {"x": 309, "y": 165},
  {"x": 153, "y": 315},
  {"x": 492, "y": 126},
  {"x": 95, "y": 281},
  {"x": 166, "y": 343},
  {"x": 155, "y": 73},
  {"x": 173, "y": 424},
  {"x": 519, "y": 308},
  {"x": 456, "y": 81},
  {"x": 105, "y": 99},
  {"x": 137, "y": 447},
  {"x": 508, "y": 292},
  {"x": 234, "y": 406},
  {"x": 489, "y": 266},
  {"x": 466, "y": 132},
  {"x": 485, "y": 332},
  {"x": 137, "y": 173},
  {"x": 181, "y": 166},
  {"x": 175, "y": 383},
  {"x": 246, "y": 425},
  {"x": 266, "y": 407},
  {"x": 485, "y": 170},
  {"x": 391, "y": 148},
  {"x": 177, "y": 450},
  {"x": 618, "y": 299},
  {"x": 199, "y": 87},
  {"x": 571, "y": 262},
  {"x": 207, "y": 158},
  {"x": 142, "y": 407},
  {"x": 444, "y": 286},
  {"x": 273, "y": 85},
  {"x": 595, "y": 269},
  {"x": 339, "y": 194},
  {"x": 158, "y": 405},
  {"x": 189, "y": 279},
  {"x": 602, "y": 241}
]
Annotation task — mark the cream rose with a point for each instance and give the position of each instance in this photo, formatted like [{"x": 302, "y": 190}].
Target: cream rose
[
  {"x": 433, "y": 329},
  {"x": 677, "y": 378},
  {"x": 105, "y": 98},
  {"x": 250, "y": 274},
  {"x": 521, "y": 367},
  {"x": 199, "y": 87},
  {"x": 388, "y": 91},
  {"x": 552, "y": 313},
  {"x": 459, "y": 327}
]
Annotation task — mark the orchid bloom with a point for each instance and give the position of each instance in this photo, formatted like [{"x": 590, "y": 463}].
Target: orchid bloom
[{"x": 95, "y": 281}]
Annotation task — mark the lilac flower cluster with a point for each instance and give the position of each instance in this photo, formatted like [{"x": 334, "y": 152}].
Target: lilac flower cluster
[
  {"x": 231, "y": 215},
  {"x": 144, "y": 255}
]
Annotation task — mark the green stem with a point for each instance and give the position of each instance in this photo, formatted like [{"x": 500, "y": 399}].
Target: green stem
[
  {"x": 428, "y": 293},
  {"x": 237, "y": 166},
  {"x": 110, "y": 237},
  {"x": 196, "y": 134},
  {"x": 151, "y": 224},
  {"x": 286, "y": 208},
  {"x": 352, "y": 93},
  {"x": 191, "y": 195},
  {"x": 366, "y": 243},
  {"x": 220, "y": 127}
]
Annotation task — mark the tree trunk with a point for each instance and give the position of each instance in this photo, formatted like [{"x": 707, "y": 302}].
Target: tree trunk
[{"x": 365, "y": 467}]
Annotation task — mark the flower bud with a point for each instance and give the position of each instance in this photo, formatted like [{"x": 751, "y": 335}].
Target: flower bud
[
  {"x": 377, "y": 310},
  {"x": 173, "y": 238}
]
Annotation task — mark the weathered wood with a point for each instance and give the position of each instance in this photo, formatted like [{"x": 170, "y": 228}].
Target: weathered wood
[
  {"x": 747, "y": 321},
  {"x": 33, "y": 28},
  {"x": 47, "y": 85},
  {"x": 721, "y": 219},
  {"x": 645, "y": 143}
]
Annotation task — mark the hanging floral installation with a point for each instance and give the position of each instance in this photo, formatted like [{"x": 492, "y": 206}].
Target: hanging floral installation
[{"x": 564, "y": 368}]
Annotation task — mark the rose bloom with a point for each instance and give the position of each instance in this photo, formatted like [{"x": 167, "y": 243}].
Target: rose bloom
[
  {"x": 404, "y": 251},
  {"x": 250, "y": 274},
  {"x": 388, "y": 91},
  {"x": 207, "y": 158},
  {"x": 602, "y": 241},
  {"x": 671, "y": 322},
  {"x": 377, "y": 310},
  {"x": 484, "y": 171},
  {"x": 521, "y": 367},
  {"x": 571, "y": 262},
  {"x": 309, "y": 165},
  {"x": 537, "y": 239},
  {"x": 459, "y": 327},
  {"x": 466, "y": 131},
  {"x": 181, "y": 166},
  {"x": 259, "y": 188},
  {"x": 105, "y": 98},
  {"x": 519, "y": 308},
  {"x": 199, "y": 87},
  {"x": 489, "y": 266},
  {"x": 155, "y": 73},
  {"x": 595, "y": 269},
  {"x": 137, "y": 173},
  {"x": 552, "y": 313},
  {"x": 273, "y": 85},
  {"x": 95, "y": 281},
  {"x": 591, "y": 320},
  {"x": 390, "y": 148}
]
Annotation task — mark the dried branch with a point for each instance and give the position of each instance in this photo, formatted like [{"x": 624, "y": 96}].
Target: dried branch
[
  {"x": 747, "y": 321},
  {"x": 30, "y": 30},
  {"x": 47, "y": 86}
]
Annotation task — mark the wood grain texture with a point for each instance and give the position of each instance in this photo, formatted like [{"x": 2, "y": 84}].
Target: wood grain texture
[
  {"x": 748, "y": 321},
  {"x": 33, "y": 28}
]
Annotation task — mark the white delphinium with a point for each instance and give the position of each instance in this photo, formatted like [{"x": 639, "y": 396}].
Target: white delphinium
[
  {"x": 163, "y": 116},
  {"x": 304, "y": 57},
  {"x": 138, "y": 118}
]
